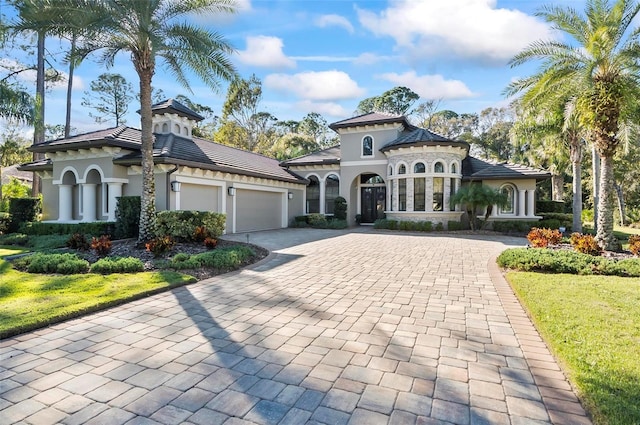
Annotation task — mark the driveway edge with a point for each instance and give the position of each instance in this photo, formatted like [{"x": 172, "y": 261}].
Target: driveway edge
[{"x": 557, "y": 393}]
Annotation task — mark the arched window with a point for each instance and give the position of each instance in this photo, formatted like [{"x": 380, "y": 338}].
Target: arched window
[
  {"x": 155, "y": 128},
  {"x": 510, "y": 206},
  {"x": 165, "y": 128},
  {"x": 332, "y": 188},
  {"x": 390, "y": 170},
  {"x": 176, "y": 128},
  {"x": 402, "y": 169},
  {"x": 313, "y": 195},
  {"x": 438, "y": 168},
  {"x": 367, "y": 146},
  {"x": 454, "y": 169},
  {"x": 185, "y": 130},
  {"x": 419, "y": 168}
]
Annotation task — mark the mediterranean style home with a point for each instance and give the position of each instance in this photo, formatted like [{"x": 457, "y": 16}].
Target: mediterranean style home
[{"x": 383, "y": 166}]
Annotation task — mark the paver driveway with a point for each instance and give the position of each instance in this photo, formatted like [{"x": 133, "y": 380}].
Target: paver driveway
[{"x": 354, "y": 327}]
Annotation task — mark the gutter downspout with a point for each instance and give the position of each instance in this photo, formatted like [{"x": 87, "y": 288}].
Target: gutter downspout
[{"x": 169, "y": 186}]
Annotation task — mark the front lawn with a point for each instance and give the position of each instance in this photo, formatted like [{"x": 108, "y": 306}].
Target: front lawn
[
  {"x": 592, "y": 325},
  {"x": 29, "y": 301}
]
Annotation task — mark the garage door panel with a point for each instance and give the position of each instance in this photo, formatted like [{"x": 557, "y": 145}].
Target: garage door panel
[
  {"x": 258, "y": 210},
  {"x": 195, "y": 197}
]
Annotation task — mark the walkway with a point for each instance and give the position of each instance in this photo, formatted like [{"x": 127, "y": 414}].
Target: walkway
[{"x": 336, "y": 327}]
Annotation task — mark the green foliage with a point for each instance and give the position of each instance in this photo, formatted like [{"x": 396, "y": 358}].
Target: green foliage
[
  {"x": 52, "y": 263},
  {"x": 5, "y": 219},
  {"x": 414, "y": 226},
  {"x": 110, "y": 265},
  {"x": 101, "y": 245},
  {"x": 181, "y": 225},
  {"x": 397, "y": 101},
  {"x": 14, "y": 189},
  {"x": 477, "y": 196},
  {"x": 550, "y": 207},
  {"x": 14, "y": 239},
  {"x": 565, "y": 261},
  {"x": 91, "y": 229},
  {"x": 78, "y": 241},
  {"x": 222, "y": 259},
  {"x": 316, "y": 220},
  {"x": 127, "y": 217},
  {"x": 513, "y": 226},
  {"x": 588, "y": 216},
  {"x": 340, "y": 208},
  {"x": 23, "y": 210},
  {"x": 300, "y": 219},
  {"x": 160, "y": 245},
  {"x": 454, "y": 225},
  {"x": 551, "y": 224},
  {"x": 111, "y": 97}
]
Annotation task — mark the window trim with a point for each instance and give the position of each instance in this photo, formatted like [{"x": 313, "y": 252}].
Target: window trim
[
  {"x": 514, "y": 192},
  {"x": 373, "y": 144}
]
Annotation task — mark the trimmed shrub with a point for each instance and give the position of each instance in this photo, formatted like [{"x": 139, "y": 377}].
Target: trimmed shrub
[
  {"x": 634, "y": 245},
  {"x": 550, "y": 207},
  {"x": 227, "y": 258},
  {"x": 5, "y": 219},
  {"x": 513, "y": 226},
  {"x": 340, "y": 208},
  {"x": 454, "y": 225},
  {"x": 335, "y": 224},
  {"x": 316, "y": 219},
  {"x": 127, "y": 217},
  {"x": 96, "y": 228},
  {"x": 53, "y": 263},
  {"x": 110, "y": 265},
  {"x": 14, "y": 239},
  {"x": 181, "y": 225},
  {"x": 77, "y": 241},
  {"x": 541, "y": 238},
  {"x": 300, "y": 219},
  {"x": 22, "y": 210},
  {"x": 101, "y": 245},
  {"x": 160, "y": 245},
  {"x": 585, "y": 244}
]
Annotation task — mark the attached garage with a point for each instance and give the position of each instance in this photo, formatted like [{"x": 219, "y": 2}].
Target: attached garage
[
  {"x": 258, "y": 210},
  {"x": 198, "y": 197}
]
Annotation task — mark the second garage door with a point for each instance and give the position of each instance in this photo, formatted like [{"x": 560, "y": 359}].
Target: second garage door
[{"x": 258, "y": 210}]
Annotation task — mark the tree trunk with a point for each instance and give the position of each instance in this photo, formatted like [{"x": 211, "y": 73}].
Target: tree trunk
[
  {"x": 38, "y": 123},
  {"x": 604, "y": 234},
  {"x": 557, "y": 187},
  {"x": 576, "y": 186},
  {"x": 621, "y": 203},
  {"x": 596, "y": 186},
  {"x": 148, "y": 202},
  {"x": 72, "y": 66}
]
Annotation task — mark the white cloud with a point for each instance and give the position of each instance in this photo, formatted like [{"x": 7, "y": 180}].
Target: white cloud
[
  {"x": 266, "y": 52},
  {"x": 334, "y": 20},
  {"x": 430, "y": 86},
  {"x": 464, "y": 29},
  {"x": 331, "y": 109},
  {"x": 311, "y": 85},
  {"x": 29, "y": 76}
]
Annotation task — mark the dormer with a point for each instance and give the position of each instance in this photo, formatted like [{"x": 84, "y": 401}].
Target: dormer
[{"x": 172, "y": 117}]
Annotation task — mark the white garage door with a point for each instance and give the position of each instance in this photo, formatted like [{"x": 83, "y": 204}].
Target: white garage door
[{"x": 257, "y": 210}]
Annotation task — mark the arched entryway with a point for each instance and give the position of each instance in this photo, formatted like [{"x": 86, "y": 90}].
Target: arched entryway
[{"x": 372, "y": 197}]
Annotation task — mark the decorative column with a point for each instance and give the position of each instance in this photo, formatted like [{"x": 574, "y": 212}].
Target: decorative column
[
  {"x": 388, "y": 206},
  {"x": 115, "y": 191},
  {"x": 394, "y": 198},
  {"x": 521, "y": 203},
  {"x": 322, "y": 195},
  {"x": 446, "y": 196},
  {"x": 65, "y": 202},
  {"x": 428, "y": 197},
  {"x": 88, "y": 202},
  {"x": 531, "y": 202},
  {"x": 410, "y": 194}
]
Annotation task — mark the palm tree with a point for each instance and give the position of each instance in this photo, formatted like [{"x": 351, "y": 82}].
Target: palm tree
[
  {"x": 601, "y": 70},
  {"x": 150, "y": 30},
  {"x": 15, "y": 103},
  {"x": 475, "y": 197}
]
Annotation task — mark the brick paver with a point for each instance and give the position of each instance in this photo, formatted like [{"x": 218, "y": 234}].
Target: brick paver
[{"x": 334, "y": 327}]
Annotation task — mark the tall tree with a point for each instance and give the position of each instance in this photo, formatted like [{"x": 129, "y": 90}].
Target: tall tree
[
  {"x": 602, "y": 66},
  {"x": 148, "y": 31},
  {"x": 13, "y": 149},
  {"x": 315, "y": 126},
  {"x": 110, "y": 98},
  {"x": 396, "y": 101}
]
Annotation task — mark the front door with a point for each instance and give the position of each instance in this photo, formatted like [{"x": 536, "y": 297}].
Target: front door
[{"x": 373, "y": 200}]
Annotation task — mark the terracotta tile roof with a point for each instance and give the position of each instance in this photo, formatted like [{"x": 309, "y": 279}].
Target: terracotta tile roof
[
  {"x": 173, "y": 106},
  {"x": 370, "y": 118},
  {"x": 479, "y": 169},
  {"x": 420, "y": 136},
  {"x": 326, "y": 156}
]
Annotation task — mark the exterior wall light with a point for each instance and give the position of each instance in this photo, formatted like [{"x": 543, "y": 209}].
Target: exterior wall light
[
  {"x": 290, "y": 195},
  {"x": 175, "y": 186},
  {"x": 231, "y": 191}
]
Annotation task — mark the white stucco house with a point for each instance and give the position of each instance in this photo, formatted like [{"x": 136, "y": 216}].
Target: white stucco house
[{"x": 382, "y": 166}]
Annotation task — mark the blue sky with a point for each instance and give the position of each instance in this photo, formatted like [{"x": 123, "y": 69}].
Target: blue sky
[{"x": 326, "y": 56}]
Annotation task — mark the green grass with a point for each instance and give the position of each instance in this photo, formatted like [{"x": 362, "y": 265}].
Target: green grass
[
  {"x": 11, "y": 250},
  {"x": 592, "y": 324},
  {"x": 29, "y": 301}
]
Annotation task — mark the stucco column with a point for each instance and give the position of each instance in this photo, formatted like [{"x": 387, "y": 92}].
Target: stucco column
[
  {"x": 446, "y": 196},
  {"x": 531, "y": 202},
  {"x": 88, "y": 202},
  {"x": 521, "y": 203},
  {"x": 115, "y": 191},
  {"x": 410, "y": 194},
  {"x": 388, "y": 206},
  {"x": 65, "y": 202},
  {"x": 428, "y": 186},
  {"x": 322, "y": 195},
  {"x": 394, "y": 200}
]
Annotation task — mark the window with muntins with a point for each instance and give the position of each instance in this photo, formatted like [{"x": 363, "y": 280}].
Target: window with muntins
[
  {"x": 438, "y": 193},
  {"x": 402, "y": 194},
  {"x": 313, "y": 195},
  {"x": 509, "y": 207},
  {"x": 438, "y": 168},
  {"x": 418, "y": 194},
  {"x": 332, "y": 188},
  {"x": 419, "y": 168},
  {"x": 402, "y": 169},
  {"x": 367, "y": 146}
]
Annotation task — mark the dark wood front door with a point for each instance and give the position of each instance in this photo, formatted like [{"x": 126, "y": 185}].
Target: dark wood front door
[{"x": 373, "y": 203}]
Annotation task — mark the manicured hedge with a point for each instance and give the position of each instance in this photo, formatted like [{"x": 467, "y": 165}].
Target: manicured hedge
[
  {"x": 550, "y": 207},
  {"x": 565, "y": 261},
  {"x": 182, "y": 225},
  {"x": 22, "y": 210},
  {"x": 110, "y": 265},
  {"x": 223, "y": 259},
  {"x": 52, "y": 263},
  {"x": 127, "y": 217},
  {"x": 415, "y": 226},
  {"x": 92, "y": 229}
]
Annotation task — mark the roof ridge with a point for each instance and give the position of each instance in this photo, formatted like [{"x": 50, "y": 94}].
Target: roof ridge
[
  {"x": 313, "y": 153},
  {"x": 232, "y": 147}
]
